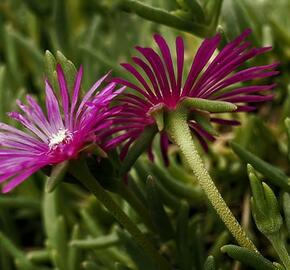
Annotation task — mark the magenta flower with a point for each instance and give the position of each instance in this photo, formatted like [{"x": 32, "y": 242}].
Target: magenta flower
[
  {"x": 160, "y": 84},
  {"x": 58, "y": 135}
]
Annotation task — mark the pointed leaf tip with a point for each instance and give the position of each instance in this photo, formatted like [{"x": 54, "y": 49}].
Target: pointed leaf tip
[
  {"x": 157, "y": 112},
  {"x": 57, "y": 174}
]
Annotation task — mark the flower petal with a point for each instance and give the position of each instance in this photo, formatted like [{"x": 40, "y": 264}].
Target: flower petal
[
  {"x": 52, "y": 106},
  {"x": 64, "y": 93}
]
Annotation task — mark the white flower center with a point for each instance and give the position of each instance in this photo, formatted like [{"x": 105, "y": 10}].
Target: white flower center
[{"x": 62, "y": 136}]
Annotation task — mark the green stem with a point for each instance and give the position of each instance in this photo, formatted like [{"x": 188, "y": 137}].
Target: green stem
[
  {"x": 80, "y": 170},
  {"x": 180, "y": 133},
  {"x": 140, "y": 145},
  {"x": 135, "y": 203},
  {"x": 279, "y": 246},
  {"x": 164, "y": 17}
]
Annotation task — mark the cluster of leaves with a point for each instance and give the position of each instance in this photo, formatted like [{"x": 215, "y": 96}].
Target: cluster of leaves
[{"x": 68, "y": 228}]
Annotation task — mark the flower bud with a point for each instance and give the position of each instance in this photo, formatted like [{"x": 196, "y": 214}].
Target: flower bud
[{"x": 264, "y": 206}]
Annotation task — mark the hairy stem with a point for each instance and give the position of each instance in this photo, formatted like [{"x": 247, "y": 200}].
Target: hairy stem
[
  {"x": 80, "y": 170},
  {"x": 180, "y": 133}
]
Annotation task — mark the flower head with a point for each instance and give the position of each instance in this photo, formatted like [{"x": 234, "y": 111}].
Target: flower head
[
  {"x": 160, "y": 84},
  {"x": 57, "y": 135}
]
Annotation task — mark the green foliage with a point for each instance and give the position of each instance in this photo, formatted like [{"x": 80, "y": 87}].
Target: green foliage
[
  {"x": 274, "y": 174},
  {"x": 248, "y": 257},
  {"x": 56, "y": 176},
  {"x": 209, "y": 263},
  {"x": 68, "y": 228},
  {"x": 264, "y": 206}
]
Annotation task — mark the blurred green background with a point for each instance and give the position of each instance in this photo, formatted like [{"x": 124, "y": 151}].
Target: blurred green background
[{"x": 100, "y": 34}]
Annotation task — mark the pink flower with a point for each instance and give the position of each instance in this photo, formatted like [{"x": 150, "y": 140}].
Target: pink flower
[
  {"x": 160, "y": 84},
  {"x": 59, "y": 134}
]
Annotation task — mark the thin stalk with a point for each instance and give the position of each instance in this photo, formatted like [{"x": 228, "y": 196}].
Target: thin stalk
[
  {"x": 135, "y": 203},
  {"x": 80, "y": 170},
  {"x": 180, "y": 133},
  {"x": 279, "y": 246},
  {"x": 164, "y": 17}
]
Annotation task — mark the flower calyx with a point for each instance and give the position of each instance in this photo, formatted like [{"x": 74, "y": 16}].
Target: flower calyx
[{"x": 157, "y": 112}]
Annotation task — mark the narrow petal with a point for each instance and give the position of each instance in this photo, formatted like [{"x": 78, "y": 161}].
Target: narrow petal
[
  {"x": 19, "y": 179},
  {"x": 34, "y": 118},
  {"x": 126, "y": 147},
  {"x": 220, "y": 76},
  {"x": 246, "y": 90},
  {"x": 90, "y": 93},
  {"x": 11, "y": 140},
  {"x": 25, "y": 122},
  {"x": 135, "y": 100},
  {"x": 225, "y": 121},
  {"x": 121, "y": 138},
  {"x": 201, "y": 131},
  {"x": 245, "y": 108},
  {"x": 201, "y": 58},
  {"x": 156, "y": 64},
  {"x": 150, "y": 74},
  {"x": 180, "y": 62},
  {"x": 52, "y": 107},
  {"x": 13, "y": 130},
  {"x": 39, "y": 112},
  {"x": 229, "y": 53},
  {"x": 139, "y": 77},
  {"x": 249, "y": 98},
  {"x": 257, "y": 72},
  {"x": 201, "y": 140},
  {"x": 165, "y": 51},
  {"x": 64, "y": 93},
  {"x": 77, "y": 87},
  {"x": 132, "y": 86}
]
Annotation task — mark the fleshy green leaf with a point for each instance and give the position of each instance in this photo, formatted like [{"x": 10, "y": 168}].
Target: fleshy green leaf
[
  {"x": 57, "y": 174},
  {"x": 159, "y": 216},
  {"x": 273, "y": 174},
  {"x": 209, "y": 263},
  {"x": 213, "y": 106},
  {"x": 248, "y": 257},
  {"x": 96, "y": 243},
  {"x": 183, "y": 251},
  {"x": 139, "y": 146}
]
